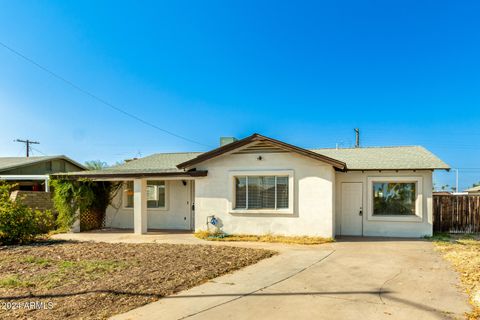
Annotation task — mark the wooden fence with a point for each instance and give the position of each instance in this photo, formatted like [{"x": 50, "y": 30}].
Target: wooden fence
[{"x": 456, "y": 214}]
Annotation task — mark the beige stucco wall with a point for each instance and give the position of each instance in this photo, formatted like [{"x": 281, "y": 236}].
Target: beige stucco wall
[
  {"x": 176, "y": 215},
  {"x": 313, "y": 202},
  {"x": 389, "y": 228}
]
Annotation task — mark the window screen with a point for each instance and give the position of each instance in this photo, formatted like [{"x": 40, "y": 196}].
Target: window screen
[{"x": 261, "y": 192}]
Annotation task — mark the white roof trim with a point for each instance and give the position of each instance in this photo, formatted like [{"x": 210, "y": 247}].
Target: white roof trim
[{"x": 25, "y": 177}]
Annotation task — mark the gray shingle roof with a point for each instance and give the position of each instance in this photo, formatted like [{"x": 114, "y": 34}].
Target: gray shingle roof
[
  {"x": 8, "y": 163},
  {"x": 367, "y": 158},
  {"x": 155, "y": 163},
  {"x": 384, "y": 158}
]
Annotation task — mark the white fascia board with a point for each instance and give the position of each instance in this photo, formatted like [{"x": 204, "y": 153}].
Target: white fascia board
[{"x": 25, "y": 177}]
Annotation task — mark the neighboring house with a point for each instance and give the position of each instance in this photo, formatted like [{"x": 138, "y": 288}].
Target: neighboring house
[
  {"x": 442, "y": 193},
  {"x": 475, "y": 191},
  {"x": 32, "y": 173},
  {"x": 260, "y": 185}
]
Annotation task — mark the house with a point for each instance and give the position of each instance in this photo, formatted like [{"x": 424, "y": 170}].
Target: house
[
  {"x": 474, "y": 191},
  {"x": 260, "y": 185},
  {"x": 32, "y": 173},
  {"x": 442, "y": 193}
]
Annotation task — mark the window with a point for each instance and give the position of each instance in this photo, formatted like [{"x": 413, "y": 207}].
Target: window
[
  {"x": 394, "y": 198},
  {"x": 128, "y": 194},
  {"x": 261, "y": 192},
  {"x": 156, "y": 195}
]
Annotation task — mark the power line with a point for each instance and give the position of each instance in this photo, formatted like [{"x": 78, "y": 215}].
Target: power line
[
  {"x": 20, "y": 151},
  {"x": 95, "y": 97},
  {"x": 38, "y": 151}
]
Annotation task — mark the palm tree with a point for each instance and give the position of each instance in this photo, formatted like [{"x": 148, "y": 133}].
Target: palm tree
[{"x": 95, "y": 165}]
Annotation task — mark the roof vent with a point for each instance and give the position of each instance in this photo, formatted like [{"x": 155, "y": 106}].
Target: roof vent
[{"x": 227, "y": 140}]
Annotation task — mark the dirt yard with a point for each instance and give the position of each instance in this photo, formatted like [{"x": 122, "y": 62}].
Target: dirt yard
[
  {"x": 463, "y": 251},
  {"x": 86, "y": 280}
]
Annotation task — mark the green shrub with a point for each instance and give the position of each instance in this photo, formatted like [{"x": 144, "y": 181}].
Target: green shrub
[
  {"x": 45, "y": 221},
  {"x": 17, "y": 221}
]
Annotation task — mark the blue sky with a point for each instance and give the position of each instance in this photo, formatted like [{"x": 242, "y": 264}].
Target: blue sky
[{"x": 404, "y": 72}]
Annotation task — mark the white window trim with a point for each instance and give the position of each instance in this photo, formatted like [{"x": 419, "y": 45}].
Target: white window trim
[
  {"x": 418, "y": 217},
  {"x": 167, "y": 197},
  {"x": 291, "y": 191},
  {"x": 164, "y": 208}
]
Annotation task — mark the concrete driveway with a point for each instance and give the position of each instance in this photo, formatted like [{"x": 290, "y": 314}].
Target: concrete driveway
[{"x": 350, "y": 279}]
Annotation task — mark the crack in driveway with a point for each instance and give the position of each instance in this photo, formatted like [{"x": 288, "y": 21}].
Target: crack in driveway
[{"x": 384, "y": 283}]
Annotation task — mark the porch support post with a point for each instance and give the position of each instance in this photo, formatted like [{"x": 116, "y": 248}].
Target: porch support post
[
  {"x": 47, "y": 184},
  {"x": 75, "y": 228},
  {"x": 140, "y": 206}
]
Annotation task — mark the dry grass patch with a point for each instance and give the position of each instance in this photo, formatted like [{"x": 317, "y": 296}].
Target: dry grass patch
[
  {"x": 205, "y": 235},
  {"x": 86, "y": 280},
  {"x": 463, "y": 252}
]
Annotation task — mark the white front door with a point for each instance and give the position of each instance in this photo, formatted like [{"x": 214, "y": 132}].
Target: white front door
[{"x": 352, "y": 209}]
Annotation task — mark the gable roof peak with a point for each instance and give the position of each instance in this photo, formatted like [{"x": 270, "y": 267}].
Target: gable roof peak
[{"x": 337, "y": 164}]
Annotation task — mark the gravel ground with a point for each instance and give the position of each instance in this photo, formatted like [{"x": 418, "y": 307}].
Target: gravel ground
[{"x": 87, "y": 280}]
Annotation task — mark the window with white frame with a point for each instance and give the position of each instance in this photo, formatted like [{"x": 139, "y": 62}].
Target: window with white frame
[
  {"x": 261, "y": 192},
  {"x": 394, "y": 198},
  {"x": 156, "y": 194}
]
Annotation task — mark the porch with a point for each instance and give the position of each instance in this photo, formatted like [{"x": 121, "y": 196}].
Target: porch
[
  {"x": 157, "y": 201},
  {"x": 153, "y": 203}
]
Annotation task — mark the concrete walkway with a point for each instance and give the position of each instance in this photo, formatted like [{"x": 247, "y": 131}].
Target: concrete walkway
[{"x": 350, "y": 279}]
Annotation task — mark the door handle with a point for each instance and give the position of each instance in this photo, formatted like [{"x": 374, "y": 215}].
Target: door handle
[{"x": 360, "y": 213}]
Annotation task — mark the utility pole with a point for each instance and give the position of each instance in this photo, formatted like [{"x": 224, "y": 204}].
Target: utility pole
[
  {"x": 27, "y": 144},
  {"x": 357, "y": 137}
]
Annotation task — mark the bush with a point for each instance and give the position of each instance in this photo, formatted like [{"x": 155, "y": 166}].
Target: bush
[
  {"x": 19, "y": 223},
  {"x": 45, "y": 221}
]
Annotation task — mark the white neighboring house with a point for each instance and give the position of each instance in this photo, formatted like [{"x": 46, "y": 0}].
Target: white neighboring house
[
  {"x": 473, "y": 191},
  {"x": 260, "y": 185}
]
